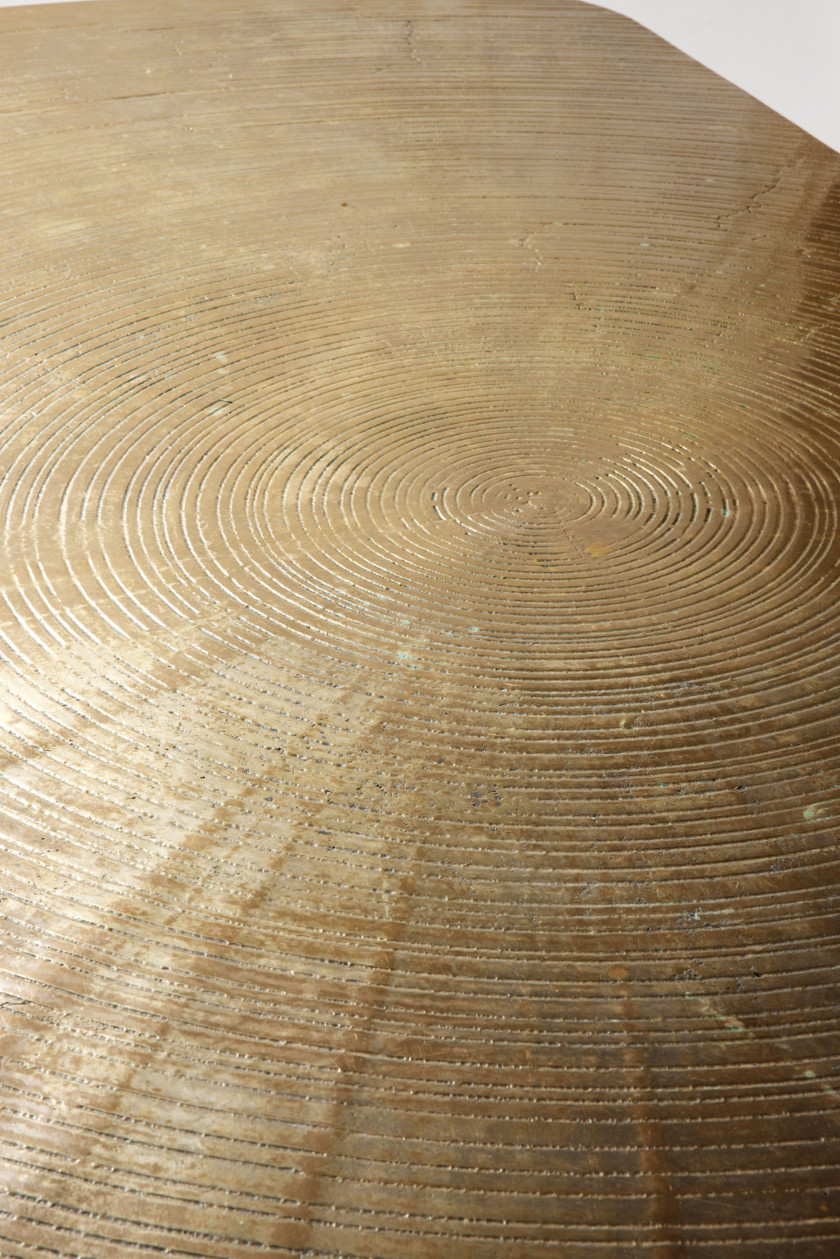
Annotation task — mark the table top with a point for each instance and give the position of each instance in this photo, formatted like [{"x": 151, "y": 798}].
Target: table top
[{"x": 419, "y": 707}]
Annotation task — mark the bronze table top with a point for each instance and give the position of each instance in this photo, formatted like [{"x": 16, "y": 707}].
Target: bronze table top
[{"x": 419, "y": 482}]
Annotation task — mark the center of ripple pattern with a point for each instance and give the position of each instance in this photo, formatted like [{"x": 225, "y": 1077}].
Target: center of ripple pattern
[{"x": 419, "y": 483}]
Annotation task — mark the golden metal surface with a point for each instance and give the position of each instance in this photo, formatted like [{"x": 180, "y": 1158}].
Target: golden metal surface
[{"x": 419, "y": 631}]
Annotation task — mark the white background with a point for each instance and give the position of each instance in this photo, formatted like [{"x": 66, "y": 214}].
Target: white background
[{"x": 785, "y": 52}]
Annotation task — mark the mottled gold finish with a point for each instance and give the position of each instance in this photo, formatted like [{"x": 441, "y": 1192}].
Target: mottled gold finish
[{"x": 419, "y": 630}]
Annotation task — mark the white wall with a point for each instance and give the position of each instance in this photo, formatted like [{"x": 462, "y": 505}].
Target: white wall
[{"x": 785, "y": 52}]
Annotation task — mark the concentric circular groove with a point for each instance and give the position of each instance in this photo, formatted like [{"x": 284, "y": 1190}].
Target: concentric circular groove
[{"x": 419, "y": 485}]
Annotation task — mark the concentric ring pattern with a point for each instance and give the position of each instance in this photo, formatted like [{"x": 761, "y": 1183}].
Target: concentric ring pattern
[{"x": 420, "y": 461}]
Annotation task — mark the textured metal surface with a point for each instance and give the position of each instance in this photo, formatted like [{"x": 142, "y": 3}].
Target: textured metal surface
[{"x": 419, "y": 631}]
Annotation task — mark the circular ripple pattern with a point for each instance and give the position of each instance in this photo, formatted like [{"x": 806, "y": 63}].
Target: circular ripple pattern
[{"x": 420, "y": 488}]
